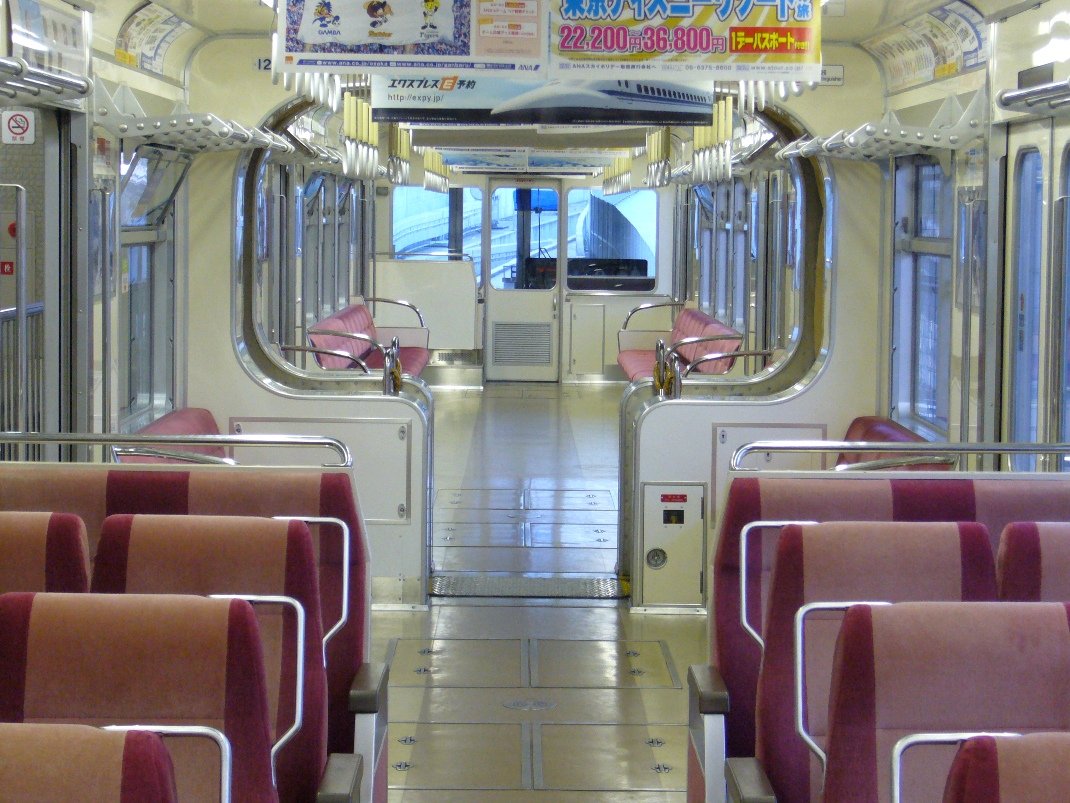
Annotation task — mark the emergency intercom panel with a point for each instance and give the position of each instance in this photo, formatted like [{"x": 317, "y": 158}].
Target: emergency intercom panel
[{"x": 672, "y": 547}]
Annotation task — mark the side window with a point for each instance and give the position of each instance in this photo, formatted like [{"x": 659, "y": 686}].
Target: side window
[
  {"x": 612, "y": 240},
  {"x": 921, "y": 357}
]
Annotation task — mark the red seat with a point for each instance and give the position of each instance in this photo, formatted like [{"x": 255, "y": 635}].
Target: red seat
[
  {"x": 1034, "y": 562},
  {"x": 238, "y": 555},
  {"x": 1011, "y": 769},
  {"x": 131, "y": 659},
  {"x": 43, "y": 552},
  {"x": 877, "y": 429},
  {"x": 939, "y": 667},
  {"x": 64, "y": 763},
  {"x": 844, "y": 562},
  {"x": 639, "y": 363},
  {"x": 357, "y": 319},
  {"x": 95, "y": 491},
  {"x": 993, "y": 502}
]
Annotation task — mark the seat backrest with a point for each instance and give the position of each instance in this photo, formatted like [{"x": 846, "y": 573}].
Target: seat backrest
[
  {"x": 992, "y": 502},
  {"x": 43, "y": 552},
  {"x": 94, "y": 491},
  {"x": 1010, "y": 769},
  {"x": 354, "y": 319},
  {"x": 238, "y": 555},
  {"x": 939, "y": 667},
  {"x": 845, "y": 562},
  {"x": 877, "y": 429},
  {"x": 1034, "y": 562},
  {"x": 132, "y": 659},
  {"x": 692, "y": 323},
  {"x": 186, "y": 421},
  {"x": 62, "y": 763}
]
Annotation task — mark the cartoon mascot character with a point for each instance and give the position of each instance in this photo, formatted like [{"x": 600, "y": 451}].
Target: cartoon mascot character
[
  {"x": 430, "y": 7},
  {"x": 378, "y": 10}
]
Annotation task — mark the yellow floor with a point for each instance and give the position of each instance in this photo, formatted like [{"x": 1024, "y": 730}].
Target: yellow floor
[{"x": 511, "y": 700}]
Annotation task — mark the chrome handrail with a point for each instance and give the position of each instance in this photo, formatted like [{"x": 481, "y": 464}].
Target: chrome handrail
[
  {"x": 642, "y": 307},
  {"x": 728, "y": 355},
  {"x": 330, "y": 353},
  {"x": 399, "y": 303},
  {"x": 226, "y": 760},
  {"x": 351, "y": 336},
  {"x": 928, "y": 738},
  {"x": 928, "y": 448},
  {"x": 81, "y": 439},
  {"x": 744, "y": 534},
  {"x": 171, "y": 454},
  {"x": 299, "y": 660},
  {"x": 344, "y": 617},
  {"x": 800, "y": 674},
  {"x": 897, "y": 462}
]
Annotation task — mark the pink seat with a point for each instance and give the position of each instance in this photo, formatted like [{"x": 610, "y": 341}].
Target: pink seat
[
  {"x": 877, "y": 429},
  {"x": 131, "y": 659},
  {"x": 43, "y": 552},
  {"x": 1034, "y": 562},
  {"x": 992, "y": 502},
  {"x": 844, "y": 562},
  {"x": 63, "y": 763},
  {"x": 1011, "y": 769},
  {"x": 238, "y": 555},
  {"x": 186, "y": 421},
  {"x": 357, "y": 319},
  {"x": 639, "y": 363},
  {"x": 939, "y": 667}
]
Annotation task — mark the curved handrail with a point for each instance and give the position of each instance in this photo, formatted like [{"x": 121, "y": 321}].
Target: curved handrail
[
  {"x": 172, "y": 454},
  {"x": 351, "y": 336},
  {"x": 399, "y": 303},
  {"x": 299, "y": 662},
  {"x": 330, "y": 353},
  {"x": 929, "y": 448},
  {"x": 929, "y": 738},
  {"x": 83, "y": 439},
  {"x": 642, "y": 307},
  {"x": 897, "y": 462},
  {"x": 744, "y": 534},
  {"x": 226, "y": 761},
  {"x": 728, "y": 355}
]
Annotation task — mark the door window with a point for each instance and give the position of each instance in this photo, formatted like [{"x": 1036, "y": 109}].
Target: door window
[{"x": 523, "y": 238}]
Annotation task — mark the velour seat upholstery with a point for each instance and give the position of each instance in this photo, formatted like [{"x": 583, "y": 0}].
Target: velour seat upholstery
[
  {"x": 238, "y": 555},
  {"x": 639, "y": 363},
  {"x": 43, "y": 552},
  {"x": 1034, "y": 562},
  {"x": 185, "y": 421},
  {"x": 1011, "y": 769},
  {"x": 992, "y": 502},
  {"x": 94, "y": 491},
  {"x": 65, "y": 763},
  {"x": 845, "y": 562},
  {"x": 357, "y": 319},
  {"x": 133, "y": 659},
  {"x": 939, "y": 667},
  {"x": 877, "y": 429}
]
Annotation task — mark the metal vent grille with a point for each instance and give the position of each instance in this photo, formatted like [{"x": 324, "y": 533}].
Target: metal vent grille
[{"x": 522, "y": 343}]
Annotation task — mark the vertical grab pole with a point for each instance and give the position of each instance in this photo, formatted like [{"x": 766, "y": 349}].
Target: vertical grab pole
[
  {"x": 106, "y": 252},
  {"x": 22, "y": 386}
]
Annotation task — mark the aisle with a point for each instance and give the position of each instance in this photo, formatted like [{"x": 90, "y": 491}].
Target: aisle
[{"x": 533, "y": 699}]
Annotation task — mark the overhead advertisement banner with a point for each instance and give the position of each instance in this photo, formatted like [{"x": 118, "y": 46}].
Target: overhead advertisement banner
[
  {"x": 718, "y": 39},
  {"x": 486, "y": 100},
  {"x": 362, "y": 36},
  {"x": 620, "y": 39}
]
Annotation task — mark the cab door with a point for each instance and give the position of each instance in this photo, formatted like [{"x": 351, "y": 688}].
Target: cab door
[{"x": 520, "y": 274}]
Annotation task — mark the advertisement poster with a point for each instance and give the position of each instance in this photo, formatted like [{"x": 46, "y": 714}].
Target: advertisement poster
[
  {"x": 48, "y": 38},
  {"x": 946, "y": 41},
  {"x": 146, "y": 36},
  {"x": 389, "y": 35},
  {"x": 486, "y": 100},
  {"x": 525, "y": 160},
  {"x": 548, "y": 39},
  {"x": 714, "y": 39}
]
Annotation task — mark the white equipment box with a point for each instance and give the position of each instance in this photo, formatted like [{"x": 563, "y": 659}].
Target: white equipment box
[{"x": 671, "y": 558}]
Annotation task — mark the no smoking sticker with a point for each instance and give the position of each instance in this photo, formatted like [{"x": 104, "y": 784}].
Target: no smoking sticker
[{"x": 18, "y": 128}]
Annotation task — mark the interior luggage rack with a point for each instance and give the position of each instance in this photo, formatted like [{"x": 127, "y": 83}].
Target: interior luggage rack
[
  {"x": 19, "y": 80},
  {"x": 951, "y": 129},
  {"x": 123, "y": 116}
]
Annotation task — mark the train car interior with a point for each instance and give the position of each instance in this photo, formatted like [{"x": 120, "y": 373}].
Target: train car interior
[{"x": 542, "y": 400}]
